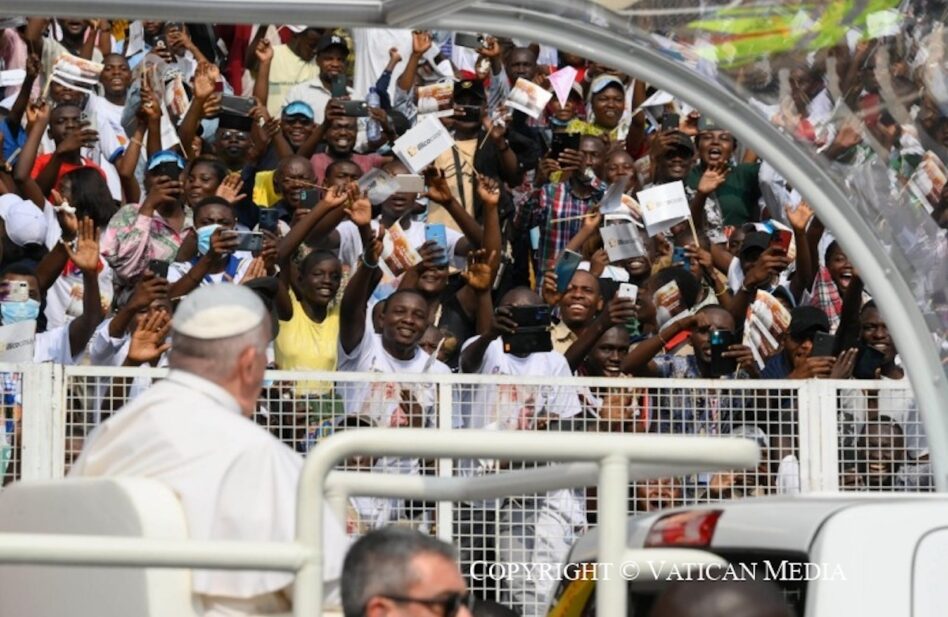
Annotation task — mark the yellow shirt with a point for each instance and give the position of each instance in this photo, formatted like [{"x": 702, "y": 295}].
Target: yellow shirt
[
  {"x": 286, "y": 70},
  {"x": 304, "y": 345},
  {"x": 264, "y": 194}
]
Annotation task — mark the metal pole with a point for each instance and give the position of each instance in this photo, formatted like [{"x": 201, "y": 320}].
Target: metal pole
[{"x": 613, "y": 494}]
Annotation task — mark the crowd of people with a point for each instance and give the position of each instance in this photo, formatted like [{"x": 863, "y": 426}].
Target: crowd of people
[{"x": 144, "y": 160}]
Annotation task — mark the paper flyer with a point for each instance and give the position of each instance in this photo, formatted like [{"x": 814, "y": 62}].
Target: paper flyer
[
  {"x": 622, "y": 241},
  {"x": 767, "y": 321},
  {"x": 663, "y": 206},
  {"x": 379, "y": 184},
  {"x": 529, "y": 98},
  {"x": 436, "y": 100},
  {"x": 423, "y": 144},
  {"x": 928, "y": 180},
  {"x": 562, "y": 82},
  {"x": 17, "y": 341},
  {"x": 398, "y": 255}
]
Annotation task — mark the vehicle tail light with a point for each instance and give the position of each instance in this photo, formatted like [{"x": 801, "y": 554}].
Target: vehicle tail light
[{"x": 694, "y": 528}]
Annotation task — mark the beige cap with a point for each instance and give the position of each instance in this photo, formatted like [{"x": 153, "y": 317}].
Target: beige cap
[{"x": 218, "y": 311}]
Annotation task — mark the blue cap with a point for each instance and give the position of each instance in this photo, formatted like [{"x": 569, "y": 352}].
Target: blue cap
[
  {"x": 299, "y": 108},
  {"x": 164, "y": 156}
]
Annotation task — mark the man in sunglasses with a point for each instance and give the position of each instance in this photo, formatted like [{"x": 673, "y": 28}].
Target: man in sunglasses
[
  {"x": 797, "y": 360},
  {"x": 396, "y": 571}
]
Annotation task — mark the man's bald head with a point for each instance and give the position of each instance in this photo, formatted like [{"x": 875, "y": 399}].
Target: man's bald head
[{"x": 721, "y": 599}]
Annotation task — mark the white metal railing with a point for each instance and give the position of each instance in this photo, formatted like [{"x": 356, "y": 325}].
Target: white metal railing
[
  {"x": 804, "y": 430},
  {"x": 611, "y": 454}
]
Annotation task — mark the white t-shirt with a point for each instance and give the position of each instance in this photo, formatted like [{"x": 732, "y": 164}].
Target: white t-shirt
[
  {"x": 53, "y": 346},
  {"x": 351, "y": 250},
  {"x": 511, "y": 406},
  {"x": 378, "y": 401},
  {"x": 371, "y": 57}
]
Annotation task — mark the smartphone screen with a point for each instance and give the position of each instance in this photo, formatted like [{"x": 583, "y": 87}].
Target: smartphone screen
[
  {"x": 670, "y": 122},
  {"x": 159, "y": 268},
  {"x": 250, "y": 241},
  {"x": 355, "y": 109},
  {"x": 269, "y": 218},
  {"x": 471, "y": 41},
  {"x": 720, "y": 341},
  {"x": 563, "y": 141},
  {"x": 338, "y": 86},
  {"x": 438, "y": 235},
  {"x": 823, "y": 345},
  {"x": 565, "y": 268},
  {"x": 780, "y": 239},
  {"x": 678, "y": 257}
]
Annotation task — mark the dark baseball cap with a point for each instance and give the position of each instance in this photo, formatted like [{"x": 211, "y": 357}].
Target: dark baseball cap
[
  {"x": 806, "y": 320},
  {"x": 331, "y": 40},
  {"x": 755, "y": 240},
  {"x": 680, "y": 140},
  {"x": 469, "y": 88}
]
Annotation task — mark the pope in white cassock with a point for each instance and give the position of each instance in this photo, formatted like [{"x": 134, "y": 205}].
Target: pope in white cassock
[{"x": 192, "y": 431}]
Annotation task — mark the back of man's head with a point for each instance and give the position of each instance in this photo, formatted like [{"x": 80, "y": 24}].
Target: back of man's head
[
  {"x": 379, "y": 564},
  {"x": 213, "y": 326},
  {"x": 721, "y": 599}
]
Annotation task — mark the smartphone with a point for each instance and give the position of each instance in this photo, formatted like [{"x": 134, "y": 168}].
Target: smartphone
[
  {"x": 355, "y": 109},
  {"x": 780, "y": 239},
  {"x": 720, "y": 341},
  {"x": 868, "y": 360},
  {"x": 532, "y": 316},
  {"x": 471, "y": 41},
  {"x": 308, "y": 199},
  {"x": 438, "y": 235},
  {"x": 269, "y": 219},
  {"x": 678, "y": 257},
  {"x": 239, "y": 105},
  {"x": 17, "y": 291},
  {"x": 410, "y": 183},
  {"x": 563, "y": 141},
  {"x": 628, "y": 290},
  {"x": 158, "y": 268},
  {"x": 565, "y": 268},
  {"x": 168, "y": 170},
  {"x": 337, "y": 87},
  {"x": 670, "y": 122},
  {"x": 823, "y": 345},
  {"x": 250, "y": 241}
]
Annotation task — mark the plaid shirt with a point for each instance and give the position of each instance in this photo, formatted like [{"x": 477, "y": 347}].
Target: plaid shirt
[
  {"x": 550, "y": 202},
  {"x": 825, "y": 296}
]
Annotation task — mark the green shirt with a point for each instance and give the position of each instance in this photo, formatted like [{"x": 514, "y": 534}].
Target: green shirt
[{"x": 738, "y": 195}]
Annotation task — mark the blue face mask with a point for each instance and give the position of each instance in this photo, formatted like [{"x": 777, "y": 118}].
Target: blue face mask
[
  {"x": 15, "y": 312},
  {"x": 204, "y": 238}
]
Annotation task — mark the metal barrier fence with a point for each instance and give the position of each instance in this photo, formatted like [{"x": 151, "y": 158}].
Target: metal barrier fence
[{"x": 814, "y": 436}]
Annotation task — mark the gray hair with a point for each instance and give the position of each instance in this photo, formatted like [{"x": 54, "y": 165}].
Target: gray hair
[
  {"x": 380, "y": 563},
  {"x": 216, "y": 359}
]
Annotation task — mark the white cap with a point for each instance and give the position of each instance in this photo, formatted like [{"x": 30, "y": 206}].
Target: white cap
[
  {"x": 25, "y": 223},
  {"x": 218, "y": 311},
  {"x": 297, "y": 29}
]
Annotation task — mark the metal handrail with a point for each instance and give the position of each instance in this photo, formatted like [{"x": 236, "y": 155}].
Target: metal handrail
[{"x": 615, "y": 458}]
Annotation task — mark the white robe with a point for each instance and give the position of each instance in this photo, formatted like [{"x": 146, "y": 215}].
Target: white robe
[{"x": 234, "y": 479}]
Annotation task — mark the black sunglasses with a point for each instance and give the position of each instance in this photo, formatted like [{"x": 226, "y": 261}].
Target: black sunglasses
[{"x": 450, "y": 604}]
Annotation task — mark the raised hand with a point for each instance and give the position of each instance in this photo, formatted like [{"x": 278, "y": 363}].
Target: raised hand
[
  {"x": 712, "y": 178},
  {"x": 149, "y": 109},
  {"x": 37, "y": 112},
  {"x": 770, "y": 263},
  {"x": 598, "y": 262},
  {"x": 264, "y": 51},
  {"x": 548, "y": 290},
  {"x": 75, "y": 140},
  {"x": 799, "y": 217},
  {"x": 479, "y": 274},
  {"x": 843, "y": 369},
  {"x": 33, "y": 67},
  {"x": 432, "y": 256},
  {"x": 439, "y": 191},
  {"x": 257, "y": 269},
  {"x": 420, "y": 42},
  {"x": 66, "y": 214},
  {"x": 148, "y": 289},
  {"x": 699, "y": 257},
  {"x": 488, "y": 190},
  {"x": 503, "y": 323},
  {"x": 375, "y": 249},
  {"x": 621, "y": 311},
  {"x": 212, "y": 106},
  {"x": 86, "y": 254},
  {"x": 360, "y": 212},
  {"x": 491, "y": 48},
  {"x": 592, "y": 220},
  {"x": 164, "y": 190},
  {"x": 393, "y": 56},
  {"x": 204, "y": 82},
  {"x": 147, "y": 342},
  {"x": 223, "y": 242},
  {"x": 230, "y": 188}
]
